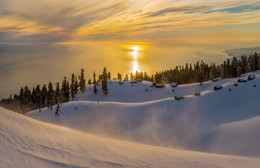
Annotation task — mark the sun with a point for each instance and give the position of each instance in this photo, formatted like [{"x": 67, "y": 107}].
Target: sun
[
  {"x": 136, "y": 48},
  {"x": 135, "y": 51}
]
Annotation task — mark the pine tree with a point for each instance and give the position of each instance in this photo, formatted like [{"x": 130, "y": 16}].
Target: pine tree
[
  {"x": 238, "y": 71},
  {"x": 57, "y": 112},
  {"x": 27, "y": 95},
  {"x": 94, "y": 78},
  {"x": 228, "y": 68},
  {"x": 34, "y": 98},
  {"x": 76, "y": 86},
  {"x": 57, "y": 93},
  {"x": 119, "y": 77},
  {"x": 234, "y": 66},
  {"x": 67, "y": 91},
  {"x": 108, "y": 76},
  {"x": 72, "y": 91},
  {"x": 258, "y": 63},
  {"x": 95, "y": 89},
  {"x": 27, "y": 99},
  {"x": 38, "y": 97},
  {"x": 200, "y": 78},
  {"x": 136, "y": 75},
  {"x": 72, "y": 87},
  {"x": 95, "y": 83},
  {"x": 50, "y": 95},
  {"x": 73, "y": 79},
  {"x": 243, "y": 64},
  {"x": 145, "y": 76},
  {"x": 44, "y": 95},
  {"x": 21, "y": 92},
  {"x": 82, "y": 82},
  {"x": 21, "y": 97},
  {"x": 64, "y": 90},
  {"x": 104, "y": 82}
]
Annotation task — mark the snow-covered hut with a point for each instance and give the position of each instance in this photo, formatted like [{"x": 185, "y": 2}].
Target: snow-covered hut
[
  {"x": 251, "y": 77},
  {"x": 159, "y": 85},
  {"x": 216, "y": 79},
  {"x": 173, "y": 84},
  {"x": 241, "y": 80},
  {"x": 218, "y": 87},
  {"x": 197, "y": 94},
  {"x": 179, "y": 97},
  {"x": 133, "y": 81}
]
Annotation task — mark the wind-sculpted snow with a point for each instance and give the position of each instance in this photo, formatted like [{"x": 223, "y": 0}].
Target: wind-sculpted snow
[
  {"x": 154, "y": 117},
  {"x": 244, "y": 134},
  {"x": 25, "y": 142}
]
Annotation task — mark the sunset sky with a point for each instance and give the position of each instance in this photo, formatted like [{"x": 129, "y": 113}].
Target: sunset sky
[
  {"x": 53, "y": 21},
  {"x": 123, "y": 35}
]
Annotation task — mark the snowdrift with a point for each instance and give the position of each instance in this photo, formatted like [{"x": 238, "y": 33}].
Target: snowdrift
[
  {"x": 138, "y": 113},
  {"x": 26, "y": 142},
  {"x": 241, "y": 137}
]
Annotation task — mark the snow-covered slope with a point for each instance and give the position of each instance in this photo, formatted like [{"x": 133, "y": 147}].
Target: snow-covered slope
[
  {"x": 206, "y": 123},
  {"x": 142, "y": 92},
  {"x": 25, "y": 142},
  {"x": 244, "y": 134}
]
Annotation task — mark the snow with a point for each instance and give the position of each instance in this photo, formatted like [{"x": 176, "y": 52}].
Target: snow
[
  {"x": 154, "y": 117},
  {"x": 173, "y": 84},
  {"x": 136, "y": 93},
  {"x": 216, "y": 79},
  {"x": 137, "y": 125},
  {"x": 159, "y": 85},
  {"x": 230, "y": 135},
  {"x": 26, "y": 142},
  {"x": 242, "y": 80}
]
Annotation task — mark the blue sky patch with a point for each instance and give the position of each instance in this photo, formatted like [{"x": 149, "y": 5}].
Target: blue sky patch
[{"x": 238, "y": 9}]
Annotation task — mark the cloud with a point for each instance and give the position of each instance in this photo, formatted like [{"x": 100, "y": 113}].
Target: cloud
[
  {"x": 79, "y": 20},
  {"x": 178, "y": 9},
  {"x": 67, "y": 15}
]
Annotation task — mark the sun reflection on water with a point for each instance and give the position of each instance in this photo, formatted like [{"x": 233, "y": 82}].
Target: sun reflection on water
[
  {"x": 135, "y": 56},
  {"x": 135, "y": 66},
  {"x": 135, "y": 52}
]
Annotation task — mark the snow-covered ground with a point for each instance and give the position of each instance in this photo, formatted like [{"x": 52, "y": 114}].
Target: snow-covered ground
[
  {"x": 140, "y": 126},
  {"x": 142, "y": 92},
  {"x": 212, "y": 122},
  {"x": 25, "y": 142}
]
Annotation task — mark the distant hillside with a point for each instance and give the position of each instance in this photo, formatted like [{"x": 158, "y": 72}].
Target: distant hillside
[{"x": 238, "y": 52}]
